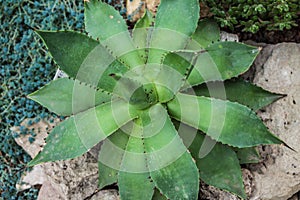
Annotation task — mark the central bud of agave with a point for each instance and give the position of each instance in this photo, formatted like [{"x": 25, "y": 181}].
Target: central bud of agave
[
  {"x": 149, "y": 94},
  {"x": 147, "y": 85},
  {"x": 144, "y": 96}
]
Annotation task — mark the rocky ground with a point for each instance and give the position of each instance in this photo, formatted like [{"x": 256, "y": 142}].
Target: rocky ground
[{"x": 277, "y": 177}]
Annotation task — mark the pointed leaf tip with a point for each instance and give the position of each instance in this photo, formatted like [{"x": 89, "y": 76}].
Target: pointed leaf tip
[
  {"x": 222, "y": 61},
  {"x": 237, "y": 90},
  {"x": 104, "y": 22},
  {"x": 233, "y": 123},
  {"x": 66, "y": 96},
  {"x": 77, "y": 134}
]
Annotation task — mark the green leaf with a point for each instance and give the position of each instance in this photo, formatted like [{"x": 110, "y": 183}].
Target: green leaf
[
  {"x": 177, "y": 15},
  {"x": 247, "y": 155},
  {"x": 97, "y": 68},
  {"x": 220, "y": 167},
  {"x": 158, "y": 196},
  {"x": 107, "y": 80},
  {"x": 69, "y": 49},
  {"x": 125, "y": 155},
  {"x": 206, "y": 33},
  {"x": 144, "y": 96},
  {"x": 83, "y": 58},
  {"x": 175, "y": 22},
  {"x": 140, "y": 33},
  {"x": 224, "y": 121},
  {"x": 173, "y": 73},
  {"x": 135, "y": 186},
  {"x": 218, "y": 164},
  {"x": 145, "y": 22},
  {"x": 238, "y": 90},
  {"x": 110, "y": 157},
  {"x": 134, "y": 177},
  {"x": 169, "y": 180},
  {"x": 80, "y": 132},
  {"x": 66, "y": 96},
  {"x": 107, "y": 175},
  {"x": 104, "y": 22},
  {"x": 180, "y": 61},
  {"x": 221, "y": 61},
  {"x": 167, "y": 169}
]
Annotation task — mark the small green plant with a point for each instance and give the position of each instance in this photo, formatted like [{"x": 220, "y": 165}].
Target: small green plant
[
  {"x": 157, "y": 101},
  {"x": 253, "y": 16}
]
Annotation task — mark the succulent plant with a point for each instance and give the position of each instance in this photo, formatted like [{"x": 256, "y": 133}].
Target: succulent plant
[
  {"x": 157, "y": 100},
  {"x": 250, "y": 16}
]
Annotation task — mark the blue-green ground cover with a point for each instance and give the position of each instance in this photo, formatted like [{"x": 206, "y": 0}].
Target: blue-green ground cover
[{"x": 25, "y": 67}]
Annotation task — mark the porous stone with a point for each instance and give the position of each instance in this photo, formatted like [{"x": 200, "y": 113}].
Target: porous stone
[
  {"x": 277, "y": 69},
  {"x": 71, "y": 179},
  {"x": 137, "y": 8},
  {"x": 208, "y": 192},
  {"x": 277, "y": 177}
]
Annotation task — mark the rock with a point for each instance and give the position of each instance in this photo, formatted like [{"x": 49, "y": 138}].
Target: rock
[
  {"x": 224, "y": 36},
  {"x": 60, "y": 74},
  {"x": 51, "y": 191},
  {"x": 295, "y": 197},
  {"x": 35, "y": 177},
  {"x": 71, "y": 179},
  {"x": 278, "y": 69},
  {"x": 74, "y": 179},
  {"x": 41, "y": 129},
  {"x": 248, "y": 181},
  {"x": 136, "y": 8},
  {"x": 106, "y": 195},
  {"x": 208, "y": 192}
]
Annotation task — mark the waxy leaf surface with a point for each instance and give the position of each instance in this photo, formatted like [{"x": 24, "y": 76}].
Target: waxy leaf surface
[
  {"x": 77, "y": 134},
  {"x": 66, "y": 96},
  {"x": 248, "y": 155},
  {"x": 110, "y": 157},
  {"x": 222, "y": 61},
  {"x": 141, "y": 33},
  {"x": 166, "y": 168},
  {"x": 102, "y": 21},
  {"x": 83, "y": 58},
  {"x": 207, "y": 32},
  {"x": 134, "y": 177},
  {"x": 69, "y": 49},
  {"x": 175, "y": 22},
  {"x": 239, "y": 91},
  {"x": 220, "y": 167},
  {"x": 227, "y": 122}
]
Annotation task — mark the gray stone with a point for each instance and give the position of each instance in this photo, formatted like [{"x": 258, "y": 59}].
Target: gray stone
[
  {"x": 106, "y": 195},
  {"x": 208, "y": 192},
  {"x": 224, "y": 36},
  {"x": 278, "y": 69},
  {"x": 61, "y": 180}
]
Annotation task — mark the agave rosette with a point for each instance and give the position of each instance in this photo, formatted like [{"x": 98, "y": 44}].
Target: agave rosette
[{"x": 157, "y": 99}]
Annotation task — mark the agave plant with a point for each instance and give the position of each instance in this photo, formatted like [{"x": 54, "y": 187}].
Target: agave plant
[{"x": 157, "y": 100}]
